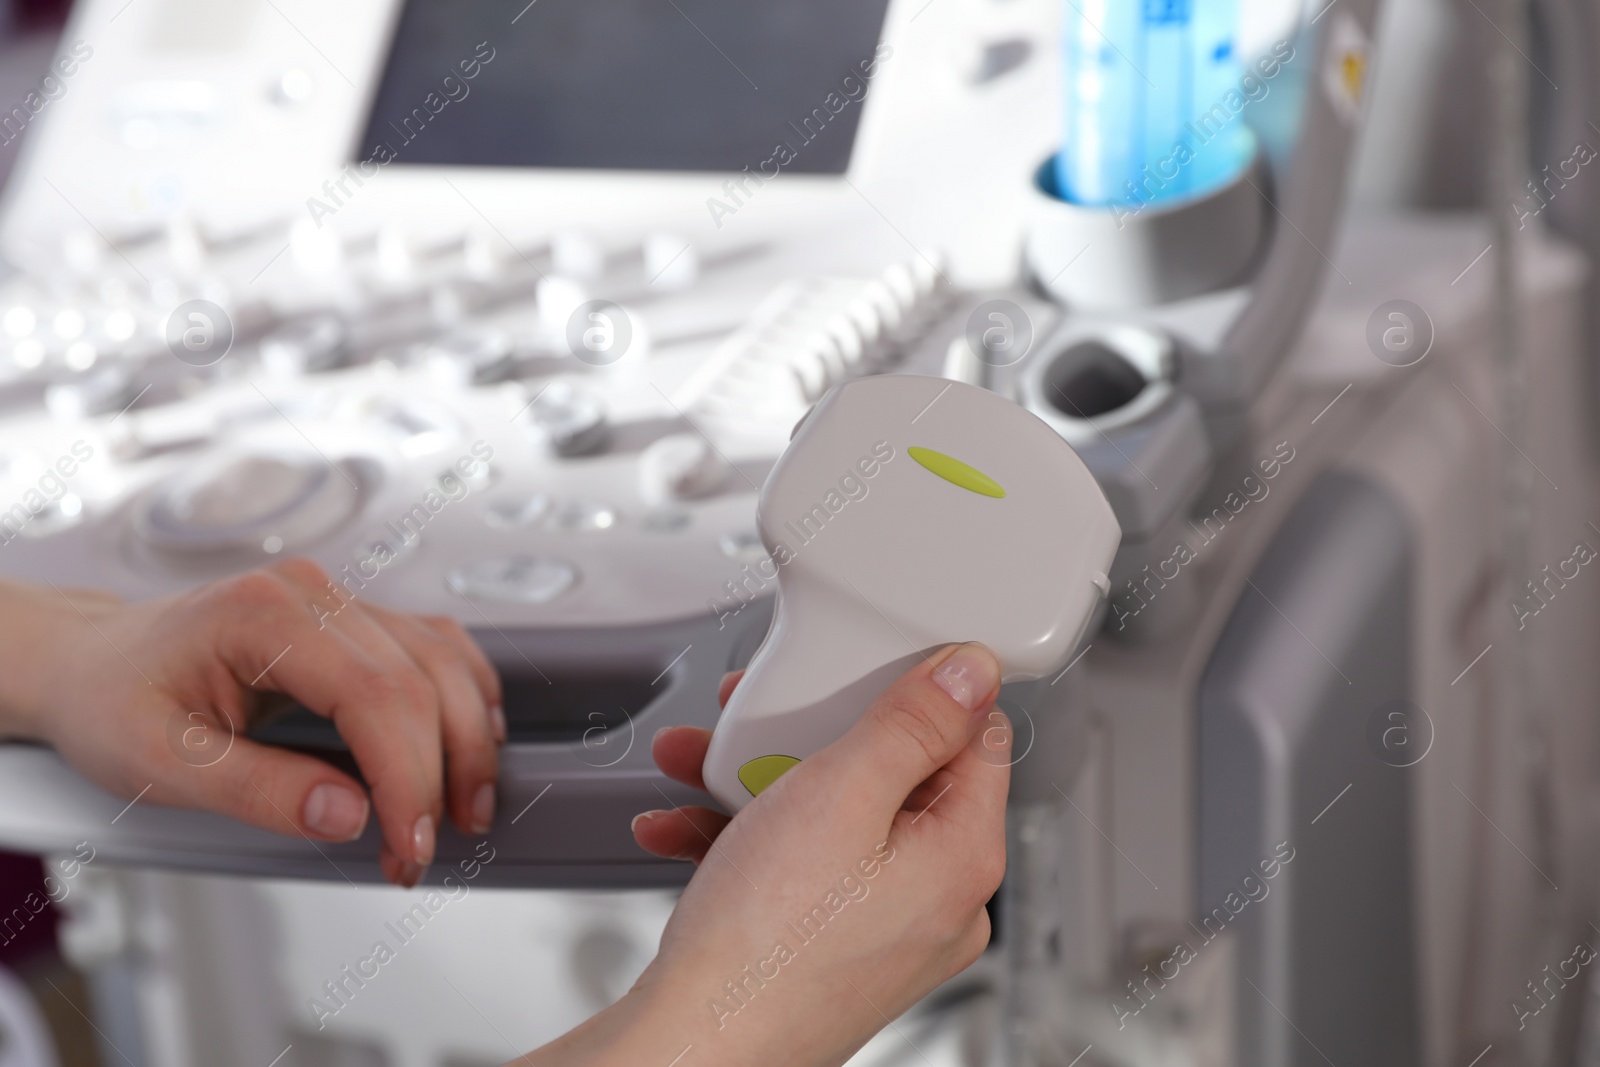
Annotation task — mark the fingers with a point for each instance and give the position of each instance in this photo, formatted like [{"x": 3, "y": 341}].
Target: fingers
[
  {"x": 483, "y": 672},
  {"x": 968, "y": 793},
  {"x": 385, "y": 707},
  {"x": 680, "y": 752},
  {"x": 726, "y": 686},
  {"x": 919, "y": 724},
  {"x": 980, "y": 776},
  {"x": 278, "y": 790},
  {"x": 468, "y": 728},
  {"x": 680, "y": 834},
  {"x": 398, "y": 740}
]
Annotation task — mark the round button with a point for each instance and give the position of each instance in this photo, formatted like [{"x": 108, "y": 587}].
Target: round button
[
  {"x": 571, "y": 421},
  {"x": 80, "y": 356},
  {"x": 304, "y": 347},
  {"x": 317, "y": 253},
  {"x": 486, "y": 255},
  {"x": 759, "y": 773},
  {"x": 575, "y": 254},
  {"x": 557, "y": 299},
  {"x": 68, "y": 324},
  {"x": 519, "y": 580},
  {"x": 680, "y": 467},
  {"x": 119, "y": 325},
  {"x": 19, "y": 320},
  {"x": 294, "y": 86},
  {"x": 239, "y": 502},
  {"x": 670, "y": 262},
  {"x": 583, "y": 516},
  {"x": 417, "y": 427},
  {"x": 471, "y": 359},
  {"x": 517, "y": 511},
  {"x": 395, "y": 254}
]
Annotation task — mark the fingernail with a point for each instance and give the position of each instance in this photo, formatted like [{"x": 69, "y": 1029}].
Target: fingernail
[
  {"x": 497, "y": 715},
  {"x": 643, "y": 816},
  {"x": 410, "y": 875},
  {"x": 422, "y": 841},
  {"x": 483, "y": 808},
  {"x": 969, "y": 675},
  {"x": 336, "y": 812}
]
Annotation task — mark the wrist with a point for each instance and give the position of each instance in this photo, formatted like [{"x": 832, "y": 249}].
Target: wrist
[
  {"x": 629, "y": 1031},
  {"x": 40, "y": 636},
  {"x": 651, "y": 1023}
]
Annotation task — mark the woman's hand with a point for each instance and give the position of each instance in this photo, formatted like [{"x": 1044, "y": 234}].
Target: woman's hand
[
  {"x": 840, "y": 896},
  {"x": 153, "y": 694}
]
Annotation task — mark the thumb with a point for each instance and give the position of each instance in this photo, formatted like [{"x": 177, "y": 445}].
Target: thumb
[
  {"x": 287, "y": 792},
  {"x": 920, "y": 723}
]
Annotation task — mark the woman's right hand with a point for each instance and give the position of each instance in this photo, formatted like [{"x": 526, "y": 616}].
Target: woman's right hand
[{"x": 835, "y": 900}]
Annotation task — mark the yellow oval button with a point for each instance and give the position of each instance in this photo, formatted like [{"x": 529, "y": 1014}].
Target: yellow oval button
[
  {"x": 956, "y": 472},
  {"x": 763, "y": 771}
]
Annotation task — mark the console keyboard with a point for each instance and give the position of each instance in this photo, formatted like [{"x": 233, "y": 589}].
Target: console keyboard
[{"x": 356, "y": 374}]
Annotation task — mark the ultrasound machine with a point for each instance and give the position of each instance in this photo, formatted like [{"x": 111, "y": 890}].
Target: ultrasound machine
[{"x": 506, "y": 313}]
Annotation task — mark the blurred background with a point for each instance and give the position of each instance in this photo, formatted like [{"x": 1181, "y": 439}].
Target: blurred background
[
  {"x": 1309, "y": 287},
  {"x": 27, "y": 44}
]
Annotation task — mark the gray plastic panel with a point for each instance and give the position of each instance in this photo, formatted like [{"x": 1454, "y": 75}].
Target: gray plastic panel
[
  {"x": 1318, "y": 643},
  {"x": 565, "y": 804}
]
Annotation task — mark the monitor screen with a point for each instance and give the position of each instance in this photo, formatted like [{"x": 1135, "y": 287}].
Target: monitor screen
[{"x": 677, "y": 85}]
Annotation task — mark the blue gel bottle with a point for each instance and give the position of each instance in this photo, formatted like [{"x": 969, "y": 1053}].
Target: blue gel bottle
[{"x": 1153, "y": 106}]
